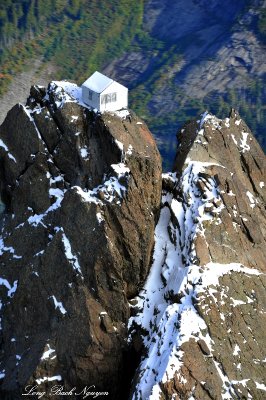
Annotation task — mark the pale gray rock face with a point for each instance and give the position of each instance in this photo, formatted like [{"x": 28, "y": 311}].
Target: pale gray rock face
[
  {"x": 219, "y": 50},
  {"x": 162, "y": 18},
  {"x": 200, "y": 318},
  {"x": 82, "y": 193}
]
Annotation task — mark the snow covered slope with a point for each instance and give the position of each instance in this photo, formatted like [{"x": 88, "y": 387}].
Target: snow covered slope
[{"x": 201, "y": 313}]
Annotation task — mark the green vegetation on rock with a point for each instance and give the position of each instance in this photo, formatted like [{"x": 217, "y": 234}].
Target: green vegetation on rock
[{"x": 80, "y": 36}]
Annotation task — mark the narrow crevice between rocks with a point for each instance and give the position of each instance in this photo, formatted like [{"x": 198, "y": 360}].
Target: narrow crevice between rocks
[
  {"x": 247, "y": 171},
  {"x": 247, "y": 232}
]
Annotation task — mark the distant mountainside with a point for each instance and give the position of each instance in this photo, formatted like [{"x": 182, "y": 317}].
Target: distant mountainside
[
  {"x": 116, "y": 278},
  {"x": 79, "y": 36},
  {"x": 197, "y": 55},
  {"x": 177, "y": 57}
]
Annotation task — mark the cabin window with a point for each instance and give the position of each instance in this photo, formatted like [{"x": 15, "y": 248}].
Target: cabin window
[
  {"x": 90, "y": 95},
  {"x": 109, "y": 98}
]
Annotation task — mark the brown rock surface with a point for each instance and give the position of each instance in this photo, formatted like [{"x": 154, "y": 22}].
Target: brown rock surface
[
  {"x": 82, "y": 193},
  {"x": 238, "y": 167},
  {"x": 203, "y": 318}
]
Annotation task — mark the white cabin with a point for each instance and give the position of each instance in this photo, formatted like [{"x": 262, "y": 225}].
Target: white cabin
[{"x": 103, "y": 93}]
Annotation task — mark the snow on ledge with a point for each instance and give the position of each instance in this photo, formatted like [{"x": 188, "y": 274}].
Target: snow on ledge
[
  {"x": 123, "y": 114},
  {"x": 48, "y": 353},
  {"x": 58, "y": 304},
  {"x": 49, "y": 379},
  {"x": 174, "y": 270},
  {"x": 207, "y": 117},
  {"x": 11, "y": 289},
  {"x": 2, "y": 144},
  {"x": 72, "y": 258},
  {"x": 73, "y": 93}
]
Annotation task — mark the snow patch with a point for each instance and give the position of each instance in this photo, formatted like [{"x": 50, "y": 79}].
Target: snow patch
[
  {"x": 252, "y": 199},
  {"x": 170, "y": 323},
  {"x": 58, "y": 193},
  {"x": 36, "y": 219},
  {"x": 72, "y": 258},
  {"x": 59, "y": 305},
  {"x": 2, "y": 144},
  {"x": 49, "y": 379},
  {"x": 11, "y": 289},
  {"x": 39, "y": 253},
  {"x": 129, "y": 150},
  {"x": 28, "y": 111},
  {"x": 120, "y": 169},
  {"x": 119, "y": 145},
  {"x": 243, "y": 142},
  {"x": 74, "y": 118},
  {"x": 234, "y": 139},
  {"x": 88, "y": 196},
  {"x": 10, "y": 250},
  {"x": 47, "y": 354},
  {"x": 123, "y": 114},
  {"x": 260, "y": 386},
  {"x": 207, "y": 117},
  {"x": 227, "y": 122},
  {"x": 99, "y": 217},
  {"x": 71, "y": 93},
  {"x": 84, "y": 152},
  {"x": 111, "y": 190},
  {"x": 236, "y": 350}
]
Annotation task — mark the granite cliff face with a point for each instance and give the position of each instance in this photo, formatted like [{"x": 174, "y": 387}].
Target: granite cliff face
[
  {"x": 201, "y": 314},
  {"x": 82, "y": 193},
  {"x": 109, "y": 284},
  {"x": 220, "y": 50},
  {"x": 195, "y": 54}
]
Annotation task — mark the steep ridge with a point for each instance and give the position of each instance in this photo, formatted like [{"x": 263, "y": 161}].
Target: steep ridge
[
  {"x": 82, "y": 194},
  {"x": 200, "y": 318},
  {"x": 83, "y": 224}
]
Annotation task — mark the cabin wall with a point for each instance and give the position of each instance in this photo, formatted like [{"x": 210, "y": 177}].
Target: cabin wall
[
  {"x": 94, "y": 101},
  {"x": 121, "y": 98}
]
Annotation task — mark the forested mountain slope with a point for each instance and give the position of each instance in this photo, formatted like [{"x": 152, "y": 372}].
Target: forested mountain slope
[
  {"x": 196, "y": 55},
  {"x": 78, "y": 35}
]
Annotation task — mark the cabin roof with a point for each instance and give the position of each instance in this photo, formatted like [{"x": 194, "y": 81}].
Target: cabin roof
[{"x": 97, "y": 82}]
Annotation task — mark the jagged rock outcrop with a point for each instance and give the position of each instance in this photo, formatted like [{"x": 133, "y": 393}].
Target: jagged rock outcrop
[
  {"x": 82, "y": 193},
  {"x": 200, "y": 318}
]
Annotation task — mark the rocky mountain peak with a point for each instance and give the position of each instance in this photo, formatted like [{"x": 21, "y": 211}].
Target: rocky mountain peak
[
  {"x": 122, "y": 279},
  {"x": 201, "y": 313},
  {"x": 82, "y": 193}
]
